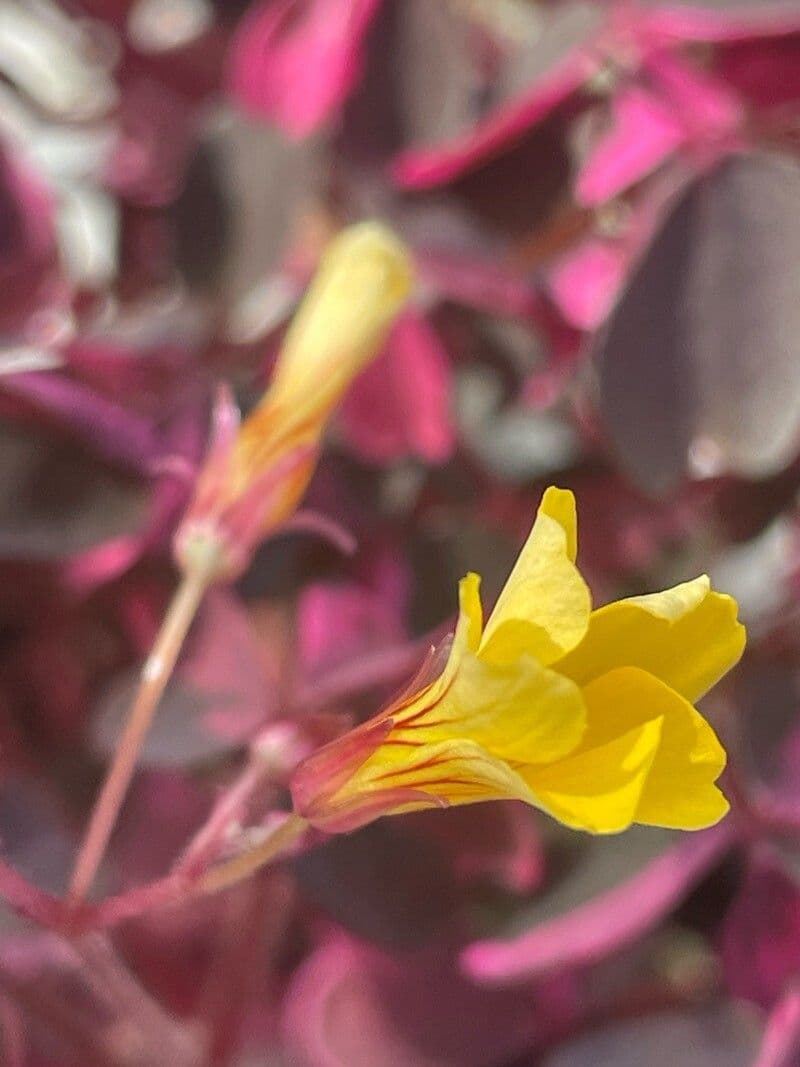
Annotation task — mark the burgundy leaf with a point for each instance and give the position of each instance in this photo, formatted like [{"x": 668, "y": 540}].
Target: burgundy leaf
[
  {"x": 594, "y": 918},
  {"x": 712, "y": 1038},
  {"x": 700, "y": 363}
]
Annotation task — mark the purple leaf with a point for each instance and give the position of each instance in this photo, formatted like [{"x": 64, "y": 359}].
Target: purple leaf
[
  {"x": 57, "y": 499},
  {"x": 767, "y": 73},
  {"x": 384, "y": 884},
  {"x": 115, "y": 433},
  {"x": 602, "y": 908},
  {"x": 700, "y": 362},
  {"x": 232, "y": 238},
  {"x": 780, "y": 1046},
  {"x": 33, "y": 833},
  {"x": 713, "y": 1038},
  {"x": 761, "y": 935},
  {"x": 437, "y": 70},
  {"x": 536, "y": 81},
  {"x": 340, "y": 622},
  {"x": 215, "y": 700},
  {"x": 349, "y": 1006},
  {"x": 723, "y": 20}
]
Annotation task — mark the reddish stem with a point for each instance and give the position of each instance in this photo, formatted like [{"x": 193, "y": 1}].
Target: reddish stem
[
  {"x": 155, "y": 674},
  {"x": 181, "y": 886},
  {"x": 28, "y": 900},
  {"x": 229, "y": 810}
]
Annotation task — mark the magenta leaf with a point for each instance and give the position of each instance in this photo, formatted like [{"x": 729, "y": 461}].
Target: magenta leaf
[
  {"x": 400, "y": 405},
  {"x": 216, "y": 700},
  {"x": 295, "y": 61},
  {"x": 533, "y": 85},
  {"x": 348, "y": 1005},
  {"x": 339, "y": 622},
  {"x": 602, "y": 907},
  {"x": 722, "y": 1037},
  {"x": 761, "y": 935},
  {"x": 644, "y": 133}
]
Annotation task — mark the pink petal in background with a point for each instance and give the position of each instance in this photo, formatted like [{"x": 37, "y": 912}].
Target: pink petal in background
[
  {"x": 706, "y": 106},
  {"x": 295, "y": 61}
]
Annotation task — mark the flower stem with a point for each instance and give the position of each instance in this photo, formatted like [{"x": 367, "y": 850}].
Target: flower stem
[
  {"x": 180, "y": 887},
  {"x": 228, "y": 810},
  {"x": 247, "y": 863},
  {"x": 155, "y": 674}
]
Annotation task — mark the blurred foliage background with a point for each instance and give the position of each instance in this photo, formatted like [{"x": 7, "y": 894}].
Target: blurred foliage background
[{"x": 602, "y": 203}]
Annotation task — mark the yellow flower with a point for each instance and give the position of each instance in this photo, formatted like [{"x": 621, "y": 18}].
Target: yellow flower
[
  {"x": 256, "y": 473},
  {"x": 587, "y": 715}
]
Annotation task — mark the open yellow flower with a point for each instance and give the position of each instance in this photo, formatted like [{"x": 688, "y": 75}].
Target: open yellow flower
[
  {"x": 587, "y": 715},
  {"x": 256, "y": 473}
]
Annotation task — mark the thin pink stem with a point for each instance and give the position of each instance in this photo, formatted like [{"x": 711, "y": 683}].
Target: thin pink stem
[
  {"x": 155, "y": 674},
  {"x": 229, "y": 811},
  {"x": 28, "y": 900},
  {"x": 181, "y": 887},
  {"x": 163, "y": 893},
  {"x": 114, "y": 985},
  {"x": 313, "y": 522},
  {"x": 247, "y": 863}
]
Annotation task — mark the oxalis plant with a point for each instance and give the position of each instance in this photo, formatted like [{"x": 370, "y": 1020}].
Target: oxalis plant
[
  {"x": 586, "y": 714},
  {"x": 311, "y": 310}
]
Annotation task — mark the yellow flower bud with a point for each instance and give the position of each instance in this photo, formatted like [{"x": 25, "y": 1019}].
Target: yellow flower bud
[{"x": 256, "y": 473}]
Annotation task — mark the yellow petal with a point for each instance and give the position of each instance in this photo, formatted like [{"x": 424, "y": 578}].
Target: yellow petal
[
  {"x": 680, "y": 792},
  {"x": 456, "y": 771},
  {"x": 544, "y": 607},
  {"x": 678, "y": 788},
  {"x": 439, "y": 672},
  {"x": 522, "y": 712},
  {"x": 364, "y": 278},
  {"x": 687, "y": 636},
  {"x": 559, "y": 504},
  {"x": 599, "y": 788},
  {"x": 470, "y": 613}
]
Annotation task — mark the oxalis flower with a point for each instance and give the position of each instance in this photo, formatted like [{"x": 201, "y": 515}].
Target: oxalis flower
[
  {"x": 256, "y": 472},
  {"x": 587, "y": 715}
]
